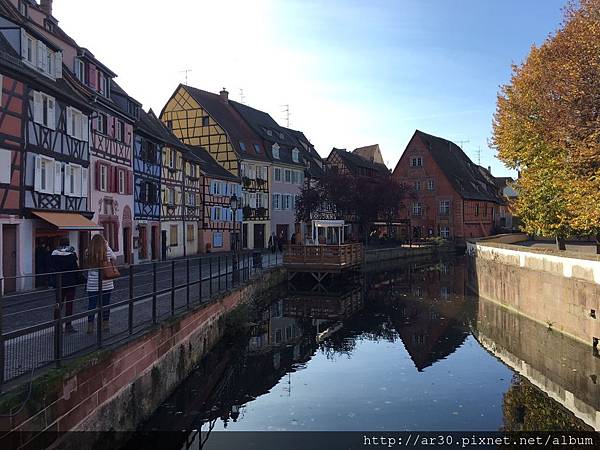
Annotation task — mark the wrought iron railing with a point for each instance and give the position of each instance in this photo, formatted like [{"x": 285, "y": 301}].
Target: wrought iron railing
[{"x": 38, "y": 328}]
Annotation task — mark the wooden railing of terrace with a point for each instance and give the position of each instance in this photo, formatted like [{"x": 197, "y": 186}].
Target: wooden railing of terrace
[{"x": 322, "y": 257}]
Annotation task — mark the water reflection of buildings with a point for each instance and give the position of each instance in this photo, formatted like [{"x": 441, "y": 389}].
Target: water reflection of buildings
[
  {"x": 562, "y": 368},
  {"x": 428, "y": 308}
]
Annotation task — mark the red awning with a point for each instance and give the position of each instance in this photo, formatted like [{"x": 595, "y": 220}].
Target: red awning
[{"x": 68, "y": 221}]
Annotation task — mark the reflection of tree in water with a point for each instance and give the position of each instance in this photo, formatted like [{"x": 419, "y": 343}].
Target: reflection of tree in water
[{"x": 526, "y": 408}]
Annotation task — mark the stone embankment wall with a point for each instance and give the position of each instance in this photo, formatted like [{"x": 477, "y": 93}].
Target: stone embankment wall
[
  {"x": 558, "y": 289},
  {"x": 566, "y": 370},
  {"x": 118, "y": 389}
]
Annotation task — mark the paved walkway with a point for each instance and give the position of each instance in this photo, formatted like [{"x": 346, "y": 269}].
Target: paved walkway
[{"x": 27, "y": 318}]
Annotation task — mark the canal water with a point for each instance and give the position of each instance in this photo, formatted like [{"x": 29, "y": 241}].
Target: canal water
[{"x": 395, "y": 348}]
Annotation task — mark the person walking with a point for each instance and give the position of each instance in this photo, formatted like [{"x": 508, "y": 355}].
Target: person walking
[
  {"x": 99, "y": 256},
  {"x": 64, "y": 265}
]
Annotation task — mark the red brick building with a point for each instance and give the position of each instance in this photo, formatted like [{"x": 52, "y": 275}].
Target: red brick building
[{"x": 450, "y": 195}]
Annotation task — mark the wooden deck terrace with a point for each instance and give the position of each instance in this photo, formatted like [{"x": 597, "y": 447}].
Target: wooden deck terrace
[{"x": 322, "y": 258}]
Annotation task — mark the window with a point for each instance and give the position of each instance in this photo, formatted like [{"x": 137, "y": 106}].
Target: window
[
  {"x": 28, "y": 51},
  {"x": 148, "y": 152},
  {"x": 190, "y": 233},
  {"x": 476, "y": 210},
  {"x": 485, "y": 210},
  {"x": 269, "y": 133},
  {"x": 23, "y": 7},
  {"x": 417, "y": 185},
  {"x": 296, "y": 177},
  {"x": 121, "y": 179},
  {"x": 430, "y": 185},
  {"x": 192, "y": 172},
  {"x": 242, "y": 146},
  {"x": 101, "y": 123},
  {"x": 445, "y": 232},
  {"x": 73, "y": 180},
  {"x": 417, "y": 209},
  {"x": 277, "y": 174},
  {"x": 275, "y": 151},
  {"x": 77, "y": 124},
  {"x": 120, "y": 132},
  {"x": 444, "y": 207},
  {"x": 48, "y": 175},
  {"x": 416, "y": 162},
  {"x": 170, "y": 124},
  {"x": 261, "y": 200},
  {"x": 174, "y": 238},
  {"x": 43, "y": 110},
  {"x": 295, "y": 155},
  {"x": 257, "y": 148},
  {"x": 286, "y": 201},
  {"x": 79, "y": 70},
  {"x": 171, "y": 197},
  {"x": 190, "y": 198},
  {"x": 276, "y": 201},
  {"x": 217, "y": 239},
  {"x": 104, "y": 178},
  {"x": 171, "y": 157},
  {"x": 204, "y": 121},
  {"x": 288, "y": 176}
]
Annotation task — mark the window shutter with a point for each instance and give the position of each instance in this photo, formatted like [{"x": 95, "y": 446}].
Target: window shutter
[
  {"x": 23, "y": 44},
  {"x": 68, "y": 176},
  {"x": 57, "y": 177},
  {"x": 130, "y": 182},
  {"x": 38, "y": 173},
  {"x": 84, "y": 182},
  {"x": 97, "y": 175},
  {"x": 41, "y": 62},
  {"x": 69, "y": 121},
  {"x": 112, "y": 123},
  {"x": 51, "y": 114},
  {"x": 58, "y": 65},
  {"x": 37, "y": 107},
  {"x": 85, "y": 125}
]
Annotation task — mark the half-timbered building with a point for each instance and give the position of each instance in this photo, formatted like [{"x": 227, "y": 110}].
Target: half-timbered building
[
  {"x": 148, "y": 144},
  {"x": 54, "y": 161},
  {"x": 172, "y": 214},
  {"x": 218, "y": 228},
  {"x": 111, "y": 133},
  {"x": 201, "y": 118},
  {"x": 192, "y": 202}
]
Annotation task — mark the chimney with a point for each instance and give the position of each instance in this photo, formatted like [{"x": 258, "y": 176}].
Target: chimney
[
  {"x": 490, "y": 169},
  {"x": 224, "y": 95},
  {"x": 46, "y": 6}
]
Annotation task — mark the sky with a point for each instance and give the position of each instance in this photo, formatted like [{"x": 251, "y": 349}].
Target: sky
[{"x": 353, "y": 72}]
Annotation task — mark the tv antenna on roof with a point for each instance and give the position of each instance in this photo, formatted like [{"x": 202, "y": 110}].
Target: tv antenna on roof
[
  {"x": 186, "y": 71},
  {"x": 462, "y": 143},
  {"x": 478, "y": 153},
  {"x": 286, "y": 112},
  {"x": 242, "y": 97}
]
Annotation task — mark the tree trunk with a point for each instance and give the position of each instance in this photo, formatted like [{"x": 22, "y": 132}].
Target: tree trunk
[
  {"x": 598, "y": 244},
  {"x": 560, "y": 243}
]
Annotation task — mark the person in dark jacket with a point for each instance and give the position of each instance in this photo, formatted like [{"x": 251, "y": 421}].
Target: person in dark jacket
[{"x": 64, "y": 264}]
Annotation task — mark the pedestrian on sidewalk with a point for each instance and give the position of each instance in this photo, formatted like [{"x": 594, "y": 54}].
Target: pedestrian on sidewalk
[
  {"x": 64, "y": 264},
  {"x": 99, "y": 256}
]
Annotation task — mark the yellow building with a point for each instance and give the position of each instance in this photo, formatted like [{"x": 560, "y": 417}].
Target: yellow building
[{"x": 201, "y": 118}]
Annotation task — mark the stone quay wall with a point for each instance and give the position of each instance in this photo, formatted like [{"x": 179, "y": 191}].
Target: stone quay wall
[{"x": 558, "y": 289}]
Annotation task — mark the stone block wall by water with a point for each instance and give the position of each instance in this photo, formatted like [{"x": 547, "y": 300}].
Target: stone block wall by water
[
  {"x": 561, "y": 292},
  {"x": 118, "y": 389},
  {"x": 565, "y": 369}
]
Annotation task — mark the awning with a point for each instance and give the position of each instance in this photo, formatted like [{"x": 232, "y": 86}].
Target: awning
[{"x": 68, "y": 221}]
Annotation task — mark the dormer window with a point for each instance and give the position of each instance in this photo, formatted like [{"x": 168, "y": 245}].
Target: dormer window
[
  {"x": 101, "y": 123},
  {"x": 79, "y": 70},
  {"x": 280, "y": 135},
  {"x": 23, "y": 7},
  {"x": 275, "y": 151},
  {"x": 295, "y": 155},
  {"x": 257, "y": 148},
  {"x": 204, "y": 121},
  {"x": 29, "y": 49},
  {"x": 48, "y": 25},
  {"x": 242, "y": 146},
  {"x": 36, "y": 54},
  {"x": 269, "y": 133}
]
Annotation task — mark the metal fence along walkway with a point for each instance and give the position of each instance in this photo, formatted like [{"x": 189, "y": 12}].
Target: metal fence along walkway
[{"x": 34, "y": 327}]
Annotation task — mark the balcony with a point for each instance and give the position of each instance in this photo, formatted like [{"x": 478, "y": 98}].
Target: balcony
[
  {"x": 255, "y": 213},
  {"x": 255, "y": 184}
]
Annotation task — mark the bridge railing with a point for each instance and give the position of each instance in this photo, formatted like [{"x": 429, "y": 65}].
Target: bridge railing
[{"x": 344, "y": 255}]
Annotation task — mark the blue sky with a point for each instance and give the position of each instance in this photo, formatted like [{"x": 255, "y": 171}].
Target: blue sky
[{"x": 353, "y": 72}]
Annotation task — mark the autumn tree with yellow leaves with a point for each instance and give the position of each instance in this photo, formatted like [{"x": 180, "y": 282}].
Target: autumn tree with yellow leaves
[{"x": 547, "y": 126}]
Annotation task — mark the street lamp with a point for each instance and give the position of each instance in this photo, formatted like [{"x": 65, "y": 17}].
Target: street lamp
[{"x": 233, "y": 205}]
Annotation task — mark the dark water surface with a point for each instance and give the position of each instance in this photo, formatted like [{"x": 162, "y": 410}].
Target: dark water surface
[{"x": 401, "y": 348}]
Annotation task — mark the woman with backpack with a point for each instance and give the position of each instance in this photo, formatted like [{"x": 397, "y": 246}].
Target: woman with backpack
[{"x": 100, "y": 257}]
